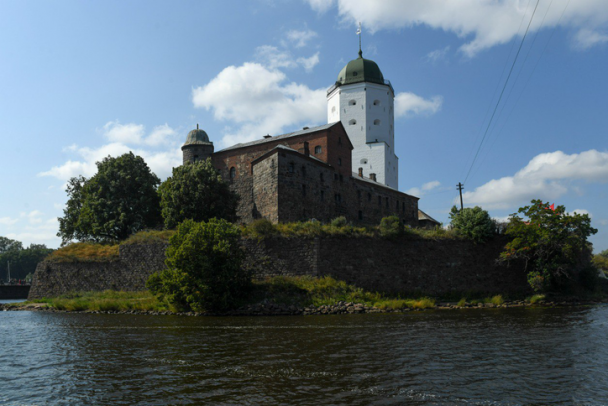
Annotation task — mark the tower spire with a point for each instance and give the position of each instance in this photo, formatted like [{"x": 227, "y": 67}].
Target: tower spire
[{"x": 359, "y": 34}]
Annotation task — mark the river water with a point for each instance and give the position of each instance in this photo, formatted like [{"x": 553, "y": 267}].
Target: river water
[{"x": 514, "y": 356}]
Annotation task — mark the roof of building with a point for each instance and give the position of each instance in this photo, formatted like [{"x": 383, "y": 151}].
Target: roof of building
[
  {"x": 197, "y": 136},
  {"x": 306, "y": 130},
  {"x": 360, "y": 70},
  {"x": 290, "y": 150},
  {"x": 423, "y": 216},
  {"x": 375, "y": 183}
]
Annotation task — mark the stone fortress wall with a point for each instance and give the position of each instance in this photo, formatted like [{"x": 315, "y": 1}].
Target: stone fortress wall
[{"x": 404, "y": 266}]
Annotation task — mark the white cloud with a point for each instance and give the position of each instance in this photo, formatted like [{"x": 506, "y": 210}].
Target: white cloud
[
  {"x": 160, "y": 135},
  {"x": 260, "y": 101},
  {"x": 483, "y": 23},
  {"x": 408, "y": 103},
  {"x": 309, "y": 63},
  {"x": 300, "y": 38},
  {"x": 124, "y": 133},
  {"x": 586, "y": 39},
  {"x": 547, "y": 176},
  {"x": 7, "y": 221},
  {"x": 273, "y": 58},
  {"x": 43, "y": 232},
  {"x": 437, "y": 55},
  {"x": 582, "y": 211},
  {"x": 34, "y": 217},
  {"x": 421, "y": 191}
]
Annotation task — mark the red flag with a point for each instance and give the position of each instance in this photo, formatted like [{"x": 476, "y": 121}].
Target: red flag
[{"x": 552, "y": 207}]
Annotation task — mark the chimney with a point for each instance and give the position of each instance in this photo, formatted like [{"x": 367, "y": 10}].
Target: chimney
[
  {"x": 305, "y": 128},
  {"x": 360, "y": 172},
  {"x": 306, "y": 148},
  {"x": 268, "y": 136},
  {"x": 372, "y": 176}
]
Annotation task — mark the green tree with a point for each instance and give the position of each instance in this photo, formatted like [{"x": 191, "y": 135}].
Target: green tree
[
  {"x": 118, "y": 201},
  {"x": 6, "y": 244},
  {"x": 390, "y": 227},
  {"x": 474, "y": 223},
  {"x": 552, "y": 243},
  {"x": 204, "y": 269},
  {"x": 22, "y": 261},
  {"x": 196, "y": 191}
]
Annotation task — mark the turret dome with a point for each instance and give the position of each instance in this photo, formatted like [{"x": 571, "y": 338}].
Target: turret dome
[
  {"x": 360, "y": 70},
  {"x": 197, "y": 136}
]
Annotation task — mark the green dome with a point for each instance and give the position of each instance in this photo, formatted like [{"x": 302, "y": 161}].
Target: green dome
[
  {"x": 197, "y": 137},
  {"x": 360, "y": 70}
]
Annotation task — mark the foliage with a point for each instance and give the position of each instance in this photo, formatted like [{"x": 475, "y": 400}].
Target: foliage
[
  {"x": 462, "y": 302},
  {"x": 261, "y": 228},
  {"x": 390, "y": 227},
  {"x": 149, "y": 237},
  {"x": 536, "y": 298},
  {"x": 552, "y": 243},
  {"x": 600, "y": 262},
  {"x": 85, "y": 252},
  {"x": 22, "y": 261},
  {"x": 196, "y": 191},
  {"x": 339, "y": 222},
  {"x": 203, "y": 267},
  {"x": 603, "y": 254},
  {"x": 496, "y": 300},
  {"x": 109, "y": 300},
  {"x": 474, "y": 223},
  {"x": 118, "y": 201}
]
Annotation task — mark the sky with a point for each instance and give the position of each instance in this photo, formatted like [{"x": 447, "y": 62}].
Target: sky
[{"x": 513, "y": 121}]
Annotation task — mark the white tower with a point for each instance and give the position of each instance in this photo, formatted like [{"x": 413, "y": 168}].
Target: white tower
[{"x": 364, "y": 102}]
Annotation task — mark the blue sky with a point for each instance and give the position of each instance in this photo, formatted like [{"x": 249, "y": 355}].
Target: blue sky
[{"x": 82, "y": 80}]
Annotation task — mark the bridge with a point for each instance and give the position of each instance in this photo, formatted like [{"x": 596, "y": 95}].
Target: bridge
[{"x": 14, "y": 291}]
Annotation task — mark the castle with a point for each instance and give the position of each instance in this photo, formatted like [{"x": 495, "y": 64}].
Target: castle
[{"x": 309, "y": 174}]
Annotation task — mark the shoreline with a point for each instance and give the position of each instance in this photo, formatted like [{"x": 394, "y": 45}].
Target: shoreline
[{"x": 272, "y": 309}]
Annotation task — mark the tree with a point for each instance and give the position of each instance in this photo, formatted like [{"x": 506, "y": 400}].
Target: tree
[
  {"x": 390, "y": 227},
  {"x": 203, "y": 267},
  {"x": 196, "y": 191},
  {"x": 6, "y": 244},
  {"x": 474, "y": 223},
  {"x": 22, "y": 261},
  {"x": 118, "y": 201},
  {"x": 552, "y": 243}
]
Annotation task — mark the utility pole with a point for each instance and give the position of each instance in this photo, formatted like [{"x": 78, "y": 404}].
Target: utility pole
[
  {"x": 459, "y": 187},
  {"x": 8, "y": 266}
]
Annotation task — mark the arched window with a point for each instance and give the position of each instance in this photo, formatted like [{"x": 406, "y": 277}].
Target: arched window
[
  {"x": 352, "y": 102},
  {"x": 333, "y": 109},
  {"x": 376, "y": 102},
  {"x": 232, "y": 173},
  {"x": 352, "y": 122},
  {"x": 376, "y": 122},
  {"x": 318, "y": 149}
]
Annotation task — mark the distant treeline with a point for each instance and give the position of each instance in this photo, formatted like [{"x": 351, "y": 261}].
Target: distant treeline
[{"x": 22, "y": 261}]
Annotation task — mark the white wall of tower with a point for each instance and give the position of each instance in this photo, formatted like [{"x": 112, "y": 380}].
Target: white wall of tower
[{"x": 367, "y": 113}]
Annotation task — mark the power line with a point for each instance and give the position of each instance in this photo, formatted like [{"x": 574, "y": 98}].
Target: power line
[{"x": 502, "y": 92}]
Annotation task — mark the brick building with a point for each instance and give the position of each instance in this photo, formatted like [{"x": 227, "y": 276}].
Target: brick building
[{"x": 345, "y": 168}]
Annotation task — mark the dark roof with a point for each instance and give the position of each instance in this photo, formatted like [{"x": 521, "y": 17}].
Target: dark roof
[
  {"x": 290, "y": 150},
  {"x": 423, "y": 216},
  {"x": 197, "y": 136},
  {"x": 373, "y": 182},
  {"x": 282, "y": 136},
  {"x": 360, "y": 70}
]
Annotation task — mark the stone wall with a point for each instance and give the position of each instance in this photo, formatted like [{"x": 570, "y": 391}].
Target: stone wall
[{"x": 405, "y": 266}]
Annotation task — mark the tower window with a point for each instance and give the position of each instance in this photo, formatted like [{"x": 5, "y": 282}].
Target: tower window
[
  {"x": 318, "y": 149},
  {"x": 352, "y": 102},
  {"x": 376, "y": 102},
  {"x": 352, "y": 122},
  {"x": 364, "y": 161},
  {"x": 195, "y": 158},
  {"x": 333, "y": 109},
  {"x": 232, "y": 173},
  {"x": 376, "y": 122}
]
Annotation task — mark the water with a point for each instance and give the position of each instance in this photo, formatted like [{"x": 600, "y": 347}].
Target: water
[{"x": 485, "y": 357}]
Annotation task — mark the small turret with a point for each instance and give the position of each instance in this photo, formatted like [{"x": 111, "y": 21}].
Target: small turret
[{"x": 197, "y": 146}]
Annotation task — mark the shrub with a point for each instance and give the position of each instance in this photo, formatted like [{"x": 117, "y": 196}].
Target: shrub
[
  {"x": 261, "y": 228},
  {"x": 497, "y": 300},
  {"x": 474, "y": 223},
  {"x": 149, "y": 237},
  {"x": 390, "y": 227},
  {"x": 204, "y": 270},
  {"x": 462, "y": 302},
  {"x": 339, "y": 222}
]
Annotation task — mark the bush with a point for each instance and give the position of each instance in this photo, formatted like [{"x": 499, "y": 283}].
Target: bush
[
  {"x": 390, "y": 227},
  {"x": 474, "y": 223},
  {"x": 204, "y": 270},
  {"x": 261, "y": 228},
  {"x": 339, "y": 222}
]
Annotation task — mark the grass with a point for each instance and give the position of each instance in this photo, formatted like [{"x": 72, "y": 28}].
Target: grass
[
  {"x": 535, "y": 299},
  {"x": 149, "y": 237},
  {"x": 84, "y": 251},
  {"x": 108, "y": 300}
]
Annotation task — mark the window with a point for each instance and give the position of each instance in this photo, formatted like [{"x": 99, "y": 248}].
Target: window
[
  {"x": 379, "y": 201},
  {"x": 387, "y": 202},
  {"x": 339, "y": 140},
  {"x": 364, "y": 161},
  {"x": 352, "y": 103},
  {"x": 338, "y": 198},
  {"x": 339, "y": 161},
  {"x": 354, "y": 73},
  {"x": 360, "y": 215},
  {"x": 321, "y": 177},
  {"x": 333, "y": 109},
  {"x": 322, "y": 195},
  {"x": 341, "y": 178},
  {"x": 318, "y": 149},
  {"x": 304, "y": 190},
  {"x": 359, "y": 194},
  {"x": 403, "y": 207},
  {"x": 303, "y": 170},
  {"x": 397, "y": 208},
  {"x": 292, "y": 167},
  {"x": 232, "y": 173},
  {"x": 376, "y": 102},
  {"x": 369, "y": 197},
  {"x": 376, "y": 122},
  {"x": 352, "y": 122},
  {"x": 272, "y": 163},
  {"x": 195, "y": 158}
]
